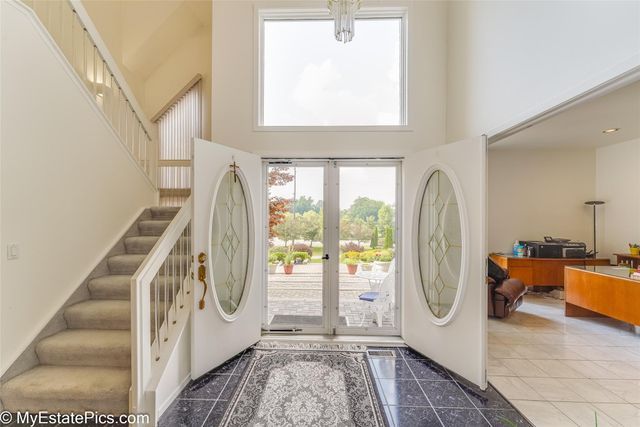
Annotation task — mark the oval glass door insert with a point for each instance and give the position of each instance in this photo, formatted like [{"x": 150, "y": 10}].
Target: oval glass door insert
[
  {"x": 440, "y": 244},
  {"x": 230, "y": 242}
]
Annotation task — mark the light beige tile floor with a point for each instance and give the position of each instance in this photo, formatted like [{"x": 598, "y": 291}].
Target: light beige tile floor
[{"x": 563, "y": 371}]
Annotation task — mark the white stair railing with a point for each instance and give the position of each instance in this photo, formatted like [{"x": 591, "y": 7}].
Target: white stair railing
[
  {"x": 70, "y": 34},
  {"x": 160, "y": 291}
]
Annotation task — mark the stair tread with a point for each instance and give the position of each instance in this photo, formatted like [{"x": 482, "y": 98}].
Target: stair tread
[
  {"x": 86, "y": 347},
  {"x": 128, "y": 258},
  {"x": 118, "y": 286},
  {"x": 144, "y": 244},
  {"x": 125, "y": 263},
  {"x": 153, "y": 225},
  {"x": 114, "y": 286},
  {"x": 99, "y": 314},
  {"x": 164, "y": 211},
  {"x": 64, "y": 387},
  {"x": 140, "y": 244}
]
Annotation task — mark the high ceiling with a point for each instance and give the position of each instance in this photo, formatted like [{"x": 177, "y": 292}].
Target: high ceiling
[
  {"x": 581, "y": 126},
  {"x": 152, "y": 30},
  {"x": 142, "y": 34}
]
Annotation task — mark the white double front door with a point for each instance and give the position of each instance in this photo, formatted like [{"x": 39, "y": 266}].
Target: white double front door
[{"x": 424, "y": 278}]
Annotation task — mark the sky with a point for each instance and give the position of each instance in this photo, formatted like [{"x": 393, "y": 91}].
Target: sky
[
  {"x": 312, "y": 79},
  {"x": 378, "y": 183}
]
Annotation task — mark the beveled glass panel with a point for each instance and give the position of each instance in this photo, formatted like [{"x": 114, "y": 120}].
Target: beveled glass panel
[
  {"x": 230, "y": 243},
  {"x": 439, "y": 244}
]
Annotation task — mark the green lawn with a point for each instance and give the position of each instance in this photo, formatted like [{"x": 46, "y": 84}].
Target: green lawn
[{"x": 316, "y": 257}]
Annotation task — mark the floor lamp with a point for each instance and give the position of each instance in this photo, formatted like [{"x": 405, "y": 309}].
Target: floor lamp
[{"x": 594, "y": 203}]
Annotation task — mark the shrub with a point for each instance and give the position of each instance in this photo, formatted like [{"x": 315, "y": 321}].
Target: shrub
[
  {"x": 351, "y": 247},
  {"x": 351, "y": 255},
  {"x": 303, "y": 247},
  {"x": 374, "y": 237},
  {"x": 388, "y": 238},
  {"x": 299, "y": 256},
  {"x": 277, "y": 254},
  {"x": 276, "y": 258},
  {"x": 384, "y": 255}
]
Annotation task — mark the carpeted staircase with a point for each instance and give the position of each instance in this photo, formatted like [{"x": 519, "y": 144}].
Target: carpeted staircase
[{"x": 87, "y": 366}]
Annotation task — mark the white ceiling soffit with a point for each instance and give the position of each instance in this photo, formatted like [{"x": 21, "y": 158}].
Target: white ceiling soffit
[{"x": 581, "y": 126}]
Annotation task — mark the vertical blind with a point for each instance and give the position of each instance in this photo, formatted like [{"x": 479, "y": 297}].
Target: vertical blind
[{"x": 177, "y": 127}]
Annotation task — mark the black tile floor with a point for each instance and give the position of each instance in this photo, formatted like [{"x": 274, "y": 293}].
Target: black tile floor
[
  {"x": 204, "y": 401},
  {"x": 414, "y": 391}
]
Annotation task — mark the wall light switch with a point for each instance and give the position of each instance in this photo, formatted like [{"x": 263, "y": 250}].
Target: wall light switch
[{"x": 13, "y": 251}]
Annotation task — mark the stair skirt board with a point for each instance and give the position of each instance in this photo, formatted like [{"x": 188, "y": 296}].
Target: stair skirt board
[{"x": 81, "y": 359}]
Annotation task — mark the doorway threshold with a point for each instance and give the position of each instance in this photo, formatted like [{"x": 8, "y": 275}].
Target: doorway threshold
[{"x": 380, "y": 341}]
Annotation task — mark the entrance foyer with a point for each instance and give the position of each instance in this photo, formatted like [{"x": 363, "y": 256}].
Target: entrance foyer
[{"x": 439, "y": 251}]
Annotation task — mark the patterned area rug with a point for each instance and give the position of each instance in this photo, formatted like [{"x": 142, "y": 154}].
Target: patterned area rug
[{"x": 288, "y": 384}]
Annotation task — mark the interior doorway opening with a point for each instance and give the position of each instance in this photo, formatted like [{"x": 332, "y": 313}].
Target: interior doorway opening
[{"x": 332, "y": 247}]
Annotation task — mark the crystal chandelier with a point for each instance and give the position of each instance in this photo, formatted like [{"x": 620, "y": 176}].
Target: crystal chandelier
[{"x": 343, "y": 12}]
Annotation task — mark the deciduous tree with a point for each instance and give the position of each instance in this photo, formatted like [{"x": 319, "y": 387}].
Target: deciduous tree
[{"x": 278, "y": 206}]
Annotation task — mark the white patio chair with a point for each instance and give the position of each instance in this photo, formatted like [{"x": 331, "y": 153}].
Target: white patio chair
[{"x": 381, "y": 301}]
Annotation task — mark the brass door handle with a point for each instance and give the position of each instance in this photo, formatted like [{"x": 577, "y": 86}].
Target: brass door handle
[{"x": 202, "y": 276}]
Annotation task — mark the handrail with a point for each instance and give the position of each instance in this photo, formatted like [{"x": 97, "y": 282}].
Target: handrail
[
  {"x": 67, "y": 29},
  {"x": 158, "y": 294}
]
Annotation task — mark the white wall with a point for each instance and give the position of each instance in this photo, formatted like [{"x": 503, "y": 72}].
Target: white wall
[
  {"x": 511, "y": 59},
  {"x": 537, "y": 193},
  {"x": 616, "y": 184},
  {"x": 68, "y": 187},
  {"x": 234, "y": 63}
]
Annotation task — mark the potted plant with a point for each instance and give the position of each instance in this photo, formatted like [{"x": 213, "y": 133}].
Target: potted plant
[
  {"x": 366, "y": 266},
  {"x": 351, "y": 259},
  {"x": 352, "y": 265},
  {"x": 273, "y": 263},
  {"x": 384, "y": 259},
  {"x": 634, "y": 249},
  {"x": 288, "y": 264}
]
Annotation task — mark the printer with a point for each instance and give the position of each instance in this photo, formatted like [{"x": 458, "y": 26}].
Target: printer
[{"x": 556, "y": 248}]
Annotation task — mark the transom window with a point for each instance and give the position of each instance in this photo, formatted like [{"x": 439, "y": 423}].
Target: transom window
[{"x": 307, "y": 78}]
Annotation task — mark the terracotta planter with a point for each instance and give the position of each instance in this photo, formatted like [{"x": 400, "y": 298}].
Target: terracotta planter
[
  {"x": 352, "y": 268},
  {"x": 288, "y": 268}
]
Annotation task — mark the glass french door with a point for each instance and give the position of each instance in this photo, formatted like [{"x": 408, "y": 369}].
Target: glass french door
[
  {"x": 297, "y": 290},
  {"x": 332, "y": 247},
  {"x": 367, "y": 203}
]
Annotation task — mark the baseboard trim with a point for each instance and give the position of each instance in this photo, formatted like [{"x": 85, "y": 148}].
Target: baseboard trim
[{"x": 165, "y": 405}]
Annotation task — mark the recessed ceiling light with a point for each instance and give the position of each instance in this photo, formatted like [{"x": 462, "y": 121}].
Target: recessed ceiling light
[{"x": 611, "y": 130}]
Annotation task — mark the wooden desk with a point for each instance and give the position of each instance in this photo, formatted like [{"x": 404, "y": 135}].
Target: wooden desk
[
  {"x": 541, "y": 271},
  {"x": 597, "y": 291},
  {"x": 634, "y": 260}
]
